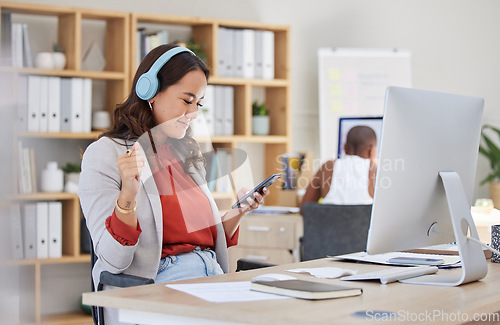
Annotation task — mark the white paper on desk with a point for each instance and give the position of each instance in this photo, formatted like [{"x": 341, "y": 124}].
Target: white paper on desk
[
  {"x": 325, "y": 272},
  {"x": 224, "y": 291},
  {"x": 449, "y": 260}
]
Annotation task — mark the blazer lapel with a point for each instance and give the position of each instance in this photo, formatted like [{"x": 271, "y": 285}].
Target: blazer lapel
[{"x": 151, "y": 190}]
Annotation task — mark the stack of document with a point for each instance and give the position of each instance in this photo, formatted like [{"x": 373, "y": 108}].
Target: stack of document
[
  {"x": 55, "y": 104},
  {"x": 217, "y": 114},
  {"x": 245, "y": 53},
  {"x": 36, "y": 230}
]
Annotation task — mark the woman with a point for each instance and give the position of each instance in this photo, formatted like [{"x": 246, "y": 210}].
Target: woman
[{"x": 143, "y": 190}]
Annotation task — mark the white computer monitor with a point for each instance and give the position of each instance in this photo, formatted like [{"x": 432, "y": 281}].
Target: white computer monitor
[
  {"x": 429, "y": 141},
  {"x": 347, "y": 123}
]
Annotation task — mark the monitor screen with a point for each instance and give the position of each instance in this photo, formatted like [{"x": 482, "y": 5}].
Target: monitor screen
[
  {"x": 347, "y": 123},
  {"x": 423, "y": 133},
  {"x": 425, "y": 175}
]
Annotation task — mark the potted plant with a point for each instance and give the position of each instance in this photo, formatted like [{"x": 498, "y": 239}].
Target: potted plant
[
  {"x": 260, "y": 119},
  {"x": 72, "y": 176},
  {"x": 491, "y": 151},
  {"x": 197, "y": 49},
  {"x": 58, "y": 57}
]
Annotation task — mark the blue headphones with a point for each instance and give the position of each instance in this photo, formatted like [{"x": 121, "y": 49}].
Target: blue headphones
[{"x": 147, "y": 85}]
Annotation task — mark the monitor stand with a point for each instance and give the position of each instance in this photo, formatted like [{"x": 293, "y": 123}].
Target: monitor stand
[{"x": 473, "y": 261}]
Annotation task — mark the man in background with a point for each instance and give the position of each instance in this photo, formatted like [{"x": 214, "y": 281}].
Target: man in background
[{"x": 350, "y": 179}]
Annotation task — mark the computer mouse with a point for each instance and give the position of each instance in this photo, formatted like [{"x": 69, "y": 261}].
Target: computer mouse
[{"x": 273, "y": 277}]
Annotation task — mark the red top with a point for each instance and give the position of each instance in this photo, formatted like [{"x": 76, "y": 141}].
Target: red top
[{"x": 187, "y": 217}]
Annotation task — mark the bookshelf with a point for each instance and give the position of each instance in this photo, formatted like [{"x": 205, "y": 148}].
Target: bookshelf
[
  {"x": 69, "y": 25},
  {"x": 119, "y": 48}
]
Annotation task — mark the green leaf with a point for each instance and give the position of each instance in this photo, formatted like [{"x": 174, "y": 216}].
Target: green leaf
[
  {"x": 493, "y": 128},
  {"x": 486, "y": 153},
  {"x": 259, "y": 109},
  {"x": 494, "y": 151},
  {"x": 488, "y": 179}
]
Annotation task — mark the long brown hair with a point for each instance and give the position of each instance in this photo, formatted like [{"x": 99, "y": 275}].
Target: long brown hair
[{"x": 133, "y": 118}]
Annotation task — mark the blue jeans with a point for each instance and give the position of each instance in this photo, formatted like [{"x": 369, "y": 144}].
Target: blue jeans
[{"x": 195, "y": 264}]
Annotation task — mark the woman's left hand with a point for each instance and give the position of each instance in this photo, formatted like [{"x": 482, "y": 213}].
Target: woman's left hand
[
  {"x": 231, "y": 220},
  {"x": 253, "y": 201}
]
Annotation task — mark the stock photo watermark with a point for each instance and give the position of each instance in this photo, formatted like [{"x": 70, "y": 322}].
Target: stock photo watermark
[
  {"x": 385, "y": 167},
  {"x": 434, "y": 315}
]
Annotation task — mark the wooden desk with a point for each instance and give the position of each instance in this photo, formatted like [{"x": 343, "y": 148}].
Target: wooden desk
[{"x": 412, "y": 303}]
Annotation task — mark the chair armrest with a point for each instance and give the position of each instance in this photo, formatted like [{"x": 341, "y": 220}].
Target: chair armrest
[{"x": 122, "y": 280}]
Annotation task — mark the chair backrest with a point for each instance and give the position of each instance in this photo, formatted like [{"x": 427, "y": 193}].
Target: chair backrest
[
  {"x": 96, "y": 311},
  {"x": 331, "y": 230}
]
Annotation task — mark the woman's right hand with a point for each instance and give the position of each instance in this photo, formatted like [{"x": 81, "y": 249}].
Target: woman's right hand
[{"x": 130, "y": 165}]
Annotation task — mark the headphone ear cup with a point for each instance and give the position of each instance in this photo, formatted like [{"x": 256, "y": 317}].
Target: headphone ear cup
[{"x": 147, "y": 86}]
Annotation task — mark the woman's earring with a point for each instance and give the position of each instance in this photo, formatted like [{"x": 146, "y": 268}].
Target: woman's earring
[{"x": 150, "y": 106}]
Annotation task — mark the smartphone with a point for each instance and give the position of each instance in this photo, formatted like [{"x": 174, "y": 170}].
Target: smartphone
[
  {"x": 416, "y": 260},
  {"x": 266, "y": 183}
]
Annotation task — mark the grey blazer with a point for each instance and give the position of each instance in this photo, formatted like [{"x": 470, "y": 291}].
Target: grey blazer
[{"x": 99, "y": 187}]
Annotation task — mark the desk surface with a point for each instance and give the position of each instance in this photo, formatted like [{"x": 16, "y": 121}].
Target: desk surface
[{"x": 412, "y": 303}]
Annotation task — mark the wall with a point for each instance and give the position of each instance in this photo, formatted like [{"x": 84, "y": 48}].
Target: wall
[{"x": 454, "y": 43}]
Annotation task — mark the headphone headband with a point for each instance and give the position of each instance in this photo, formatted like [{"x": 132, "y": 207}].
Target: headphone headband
[{"x": 148, "y": 83}]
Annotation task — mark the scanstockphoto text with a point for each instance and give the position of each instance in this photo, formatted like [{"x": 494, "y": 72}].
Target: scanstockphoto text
[{"x": 434, "y": 315}]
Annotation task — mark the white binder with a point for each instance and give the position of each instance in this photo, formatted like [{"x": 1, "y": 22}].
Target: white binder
[
  {"x": 268, "y": 55},
  {"x": 71, "y": 104},
  {"x": 222, "y": 53},
  {"x": 44, "y": 103},
  {"x": 229, "y": 53},
  {"x": 77, "y": 105},
  {"x": 54, "y": 102},
  {"x": 87, "y": 105},
  {"x": 29, "y": 230},
  {"x": 34, "y": 84},
  {"x": 248, "y": 53},
  {"x": 42, "y": 229},
  {"x": 259, "y": 54},
  {"x": 209, "y": 108},
  {"x": 66, "y": 95},
  {"x": 200, "y": 126},
  {"x": 228, "y": 110},
  {"x": 16, "y": 231},
  {"x": 238, "y": 53},
  {"x": 22, "y": 103},
  {"x": 219, "y": 110},
  {"x": 55, "y": 229}
]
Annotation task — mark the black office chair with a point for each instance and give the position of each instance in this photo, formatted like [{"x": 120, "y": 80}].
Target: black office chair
[
  {"x": 244, "y": 264},
  {"x": 107, "y": 278},
  {"x": 331, "y": 230}
]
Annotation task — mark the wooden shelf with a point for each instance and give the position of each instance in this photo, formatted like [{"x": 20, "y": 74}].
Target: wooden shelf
[
  {"x": 251, "y": 82},
  {"x": 84, "y": 258},
  {"x": 102, "y": 75},
  {"x": 46, "y": 196},
  {"x": 61, "y": 135},
  {"x": 235, "y": 139},
  {"x": 74, "y": 318},
  {"x": 36, "y": 9}
]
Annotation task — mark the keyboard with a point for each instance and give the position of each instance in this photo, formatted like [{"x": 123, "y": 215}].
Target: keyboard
[{"x": 393, "y": 274}]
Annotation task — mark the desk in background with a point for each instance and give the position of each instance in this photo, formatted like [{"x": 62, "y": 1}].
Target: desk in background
[
  {"x": 157, "y": 304},
  {"x": 270, "y": 238}
]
